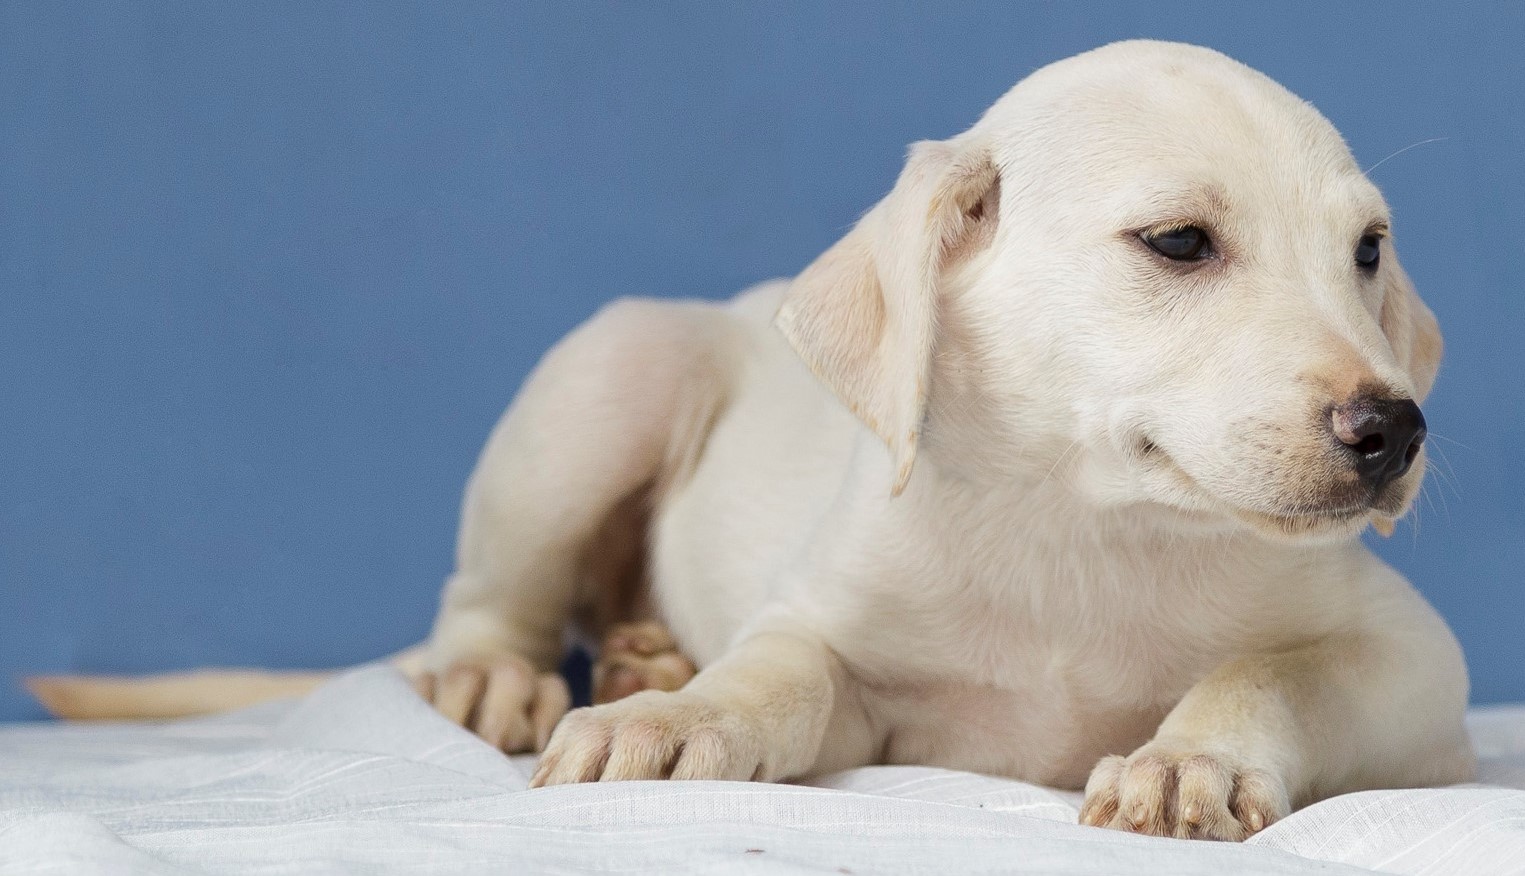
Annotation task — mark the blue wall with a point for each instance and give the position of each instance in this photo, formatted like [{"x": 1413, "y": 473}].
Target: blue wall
[{"x": 269, "y": 272}]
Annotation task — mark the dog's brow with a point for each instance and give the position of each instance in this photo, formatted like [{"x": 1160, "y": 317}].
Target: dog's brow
[
  {"x": 1363, "y": 199},
  {"x": 1198, "y": 203}
]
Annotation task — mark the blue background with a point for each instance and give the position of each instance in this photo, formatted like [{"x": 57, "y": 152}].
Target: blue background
[{"x": 269, "y": 272}]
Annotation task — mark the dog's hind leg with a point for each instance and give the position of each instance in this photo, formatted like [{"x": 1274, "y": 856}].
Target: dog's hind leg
[
  {"x": 554, "y": 518},
  {"x": 638, "y": 656}
]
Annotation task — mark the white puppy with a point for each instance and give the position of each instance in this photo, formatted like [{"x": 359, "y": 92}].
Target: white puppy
[{"x": 1053, "y": 467}]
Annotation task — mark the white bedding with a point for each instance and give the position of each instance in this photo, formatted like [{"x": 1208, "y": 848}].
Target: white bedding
[{"x": 361, "y": 777}]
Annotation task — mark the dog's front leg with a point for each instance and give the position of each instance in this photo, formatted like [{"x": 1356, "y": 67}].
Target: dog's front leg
[
  {"x": 760, "y": 712},
  {"x": 1265, "y": 734}
]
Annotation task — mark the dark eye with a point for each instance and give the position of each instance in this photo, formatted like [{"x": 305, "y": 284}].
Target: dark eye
[
  {"x": 1187, "y": 244},
  {"x": 1369, "y": 251}
]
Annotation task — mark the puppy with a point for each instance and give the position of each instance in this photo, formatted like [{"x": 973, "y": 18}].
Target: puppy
[{"x": 1053, "y": 467}]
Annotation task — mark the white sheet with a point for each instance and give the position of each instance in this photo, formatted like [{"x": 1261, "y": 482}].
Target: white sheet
[{"x": 361, "y": 777}]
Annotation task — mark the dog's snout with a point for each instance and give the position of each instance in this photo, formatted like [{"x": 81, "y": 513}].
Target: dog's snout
[{"x": 1383, "y": 436}]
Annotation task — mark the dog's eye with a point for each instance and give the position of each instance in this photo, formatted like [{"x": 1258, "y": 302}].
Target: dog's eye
[
  {"x": 1369, "y": 251},
  {"x": 1187, "y": 244}
]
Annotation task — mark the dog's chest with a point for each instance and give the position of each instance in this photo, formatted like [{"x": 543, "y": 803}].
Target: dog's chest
[
  {"x": 1035, "y": 667},
  {"x": 1046, "y": 737}
]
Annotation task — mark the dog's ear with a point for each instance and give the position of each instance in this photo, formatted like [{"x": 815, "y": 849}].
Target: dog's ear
[
  {"x": 1411, "y": 329},
  {"x": 863, "y": 315}
]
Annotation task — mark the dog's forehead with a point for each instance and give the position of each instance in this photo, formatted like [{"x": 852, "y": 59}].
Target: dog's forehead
[{"x": 1168, "y": 120}]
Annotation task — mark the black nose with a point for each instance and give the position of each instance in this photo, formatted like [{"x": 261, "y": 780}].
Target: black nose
[{"x": 1383, "y": 435}]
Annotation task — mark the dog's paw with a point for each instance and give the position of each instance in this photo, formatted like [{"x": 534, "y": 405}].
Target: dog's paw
[
  {"x": 1167, "y": 791},
  {"x": 501, "y": 699},
  {"x": 636, "y": 657},
  {"x": 652, "y": 735}
]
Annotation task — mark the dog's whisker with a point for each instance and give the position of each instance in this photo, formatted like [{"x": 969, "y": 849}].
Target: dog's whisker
[
  {"x": 1450, "y": 440},
  {"x": 1445, "y": 472},
  {"x": 1403, "y": 150},
  {"x": 1057, "y": 462}
]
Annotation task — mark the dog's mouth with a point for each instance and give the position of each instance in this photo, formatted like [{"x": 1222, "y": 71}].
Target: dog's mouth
[{"x": 1341, "y": 516}]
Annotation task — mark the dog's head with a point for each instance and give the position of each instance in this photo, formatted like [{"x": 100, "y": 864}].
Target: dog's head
[{"x": 1150, "y": 271}]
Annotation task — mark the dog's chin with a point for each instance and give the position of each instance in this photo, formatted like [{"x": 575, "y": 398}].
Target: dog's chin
[
  {"x": 1314, "y": 527},
  {"x": 1301, "y": 525},
  {"x": 1335, "y": 523},
  {"x": 1341, "y": 523}
]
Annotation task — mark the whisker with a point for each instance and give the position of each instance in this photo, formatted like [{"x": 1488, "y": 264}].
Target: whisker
[
  {"x": 1403, "y": 150},
  {"x": 1055, "y": 467},
  {"x": 1452, "y": 440},
  {"x": 1445, "y": 473},
  {"x": 1413, "y": 521}
]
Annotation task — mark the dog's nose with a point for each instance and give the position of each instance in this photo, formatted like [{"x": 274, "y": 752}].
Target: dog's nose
[{"x": 1383, "y": 434}]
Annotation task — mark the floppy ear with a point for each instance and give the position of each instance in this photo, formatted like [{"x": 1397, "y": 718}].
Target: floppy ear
[
  {"x": 863, "y": 315},
  {"x": 1411, "y": 329}
]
